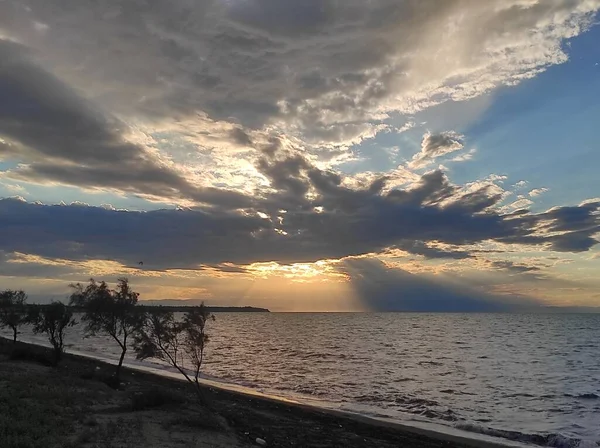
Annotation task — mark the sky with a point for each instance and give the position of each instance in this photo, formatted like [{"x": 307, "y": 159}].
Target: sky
[{"x": 306, "y": 155}]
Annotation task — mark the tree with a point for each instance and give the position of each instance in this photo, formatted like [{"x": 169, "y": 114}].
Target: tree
[
  {"x": 111, "y": 312},
  {"x": 52, "y": 320},
  {"x": 13, "y": 310},
  {"x": 162, "y": 337}
]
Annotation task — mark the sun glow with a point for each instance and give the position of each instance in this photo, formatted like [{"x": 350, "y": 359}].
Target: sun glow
[{"x": 324, "y": 270}]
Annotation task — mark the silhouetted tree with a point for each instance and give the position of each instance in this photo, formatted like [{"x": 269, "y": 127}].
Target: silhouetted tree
[
  {"x": 13, "y": 310},
  {"x": 195, "y": 337},
  {"x": 163, "y": 337},
  {"x": 52, "y": 320},
  {"x": 111, "y": 312}
]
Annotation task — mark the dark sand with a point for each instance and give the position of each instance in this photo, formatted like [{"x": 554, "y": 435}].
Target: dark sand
[{"x": 72, "y": 406}]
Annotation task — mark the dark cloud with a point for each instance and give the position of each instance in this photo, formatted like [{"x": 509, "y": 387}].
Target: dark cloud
[
  {"x": 294, "y": 18},
  {"x": 327, "y": 74},
  {"x": 380, "y": 288},
  {"x": 240, "y": 137},
  {"x": 566, "y": 229},
  {"x": 514, "y": 267},
  {"x": 63, "y": 139},
  {"x": 576, "y": 226},
  {"x": 273, "y": 145},
  {"x": 422, "y": 248},
  {"x": 583, "y": 217},
  {"x": 581, "y": 241},
  {"x": 308, "y": 216},
  {"x": 316, "y": 64},
  {"x": 286, "y": 175},
  {"x": 80, "y": 233}
]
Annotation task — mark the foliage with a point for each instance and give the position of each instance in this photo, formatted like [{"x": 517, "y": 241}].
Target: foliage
[
  {"x": 52, "y": 320},
  {"x": 13, "y": 310},
  {"x": 110, "y": 312},
  {"x": 162, "y": 337},
  {"x": 195, "y": 337}
]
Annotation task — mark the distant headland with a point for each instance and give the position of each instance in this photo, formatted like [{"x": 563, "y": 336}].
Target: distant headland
[
  {"x": 212, "y": 309},
  {"x": 184, "y": 308}
]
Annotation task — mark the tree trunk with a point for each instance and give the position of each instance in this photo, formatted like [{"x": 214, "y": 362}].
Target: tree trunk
[
  {"x": 57, "y": 355},
  {"x": 118, "y": 372},
  {"x": 14, "y": 335}
]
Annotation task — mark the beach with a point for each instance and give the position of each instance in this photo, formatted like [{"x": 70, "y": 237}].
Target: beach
[
  {"x": 72, "y": 406},
  {"x": 402, "y": 372}
]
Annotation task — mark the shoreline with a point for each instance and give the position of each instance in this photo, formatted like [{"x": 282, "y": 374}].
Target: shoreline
[
  {"x": 443, "y": 434},
  {"x": 436, "y": 435}
]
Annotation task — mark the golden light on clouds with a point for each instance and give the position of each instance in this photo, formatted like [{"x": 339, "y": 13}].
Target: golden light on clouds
[
  {"x": 324, "y": 270},
  {"x": 324, "y": 285},
  {"x": 93, "y": 268},
  {"x": 154, "y": 292}
]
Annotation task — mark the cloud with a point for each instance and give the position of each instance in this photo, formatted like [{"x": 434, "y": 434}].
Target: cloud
[
  {"x": 537, "y": 191},
  {"x": 434, "y": 146},
  {"x": 307, "y": 214},
  {"x": 520, "y": 204},
  {"x": 13, "y": 188},
  {"x": 431, "y": 252},
  {"x": 565, "y": 229},
  {"x": 64, "y": 139},
  {"x": 520, "y": 184},
  {"x": 514, "y": 267},
  {"x": 240, "y": 111},
  {"x": 306, "y": 67},
  {"x": 381, "y": 288},
  {"x": 240, "y": 137},
  {"x": 174, "y": 101},
  {"x": 464, "y": 157}
]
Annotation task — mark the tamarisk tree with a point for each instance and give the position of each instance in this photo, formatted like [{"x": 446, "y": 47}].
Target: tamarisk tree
[
  {"x": 52, "y": 320},
  {"x": 179, "y": 343},
  {"x": 109, "y": 312},
  {"x": 13, "y": 310}
]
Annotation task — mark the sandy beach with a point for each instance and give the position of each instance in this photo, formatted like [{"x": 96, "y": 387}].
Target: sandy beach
[{"x": 72, "y": 406}]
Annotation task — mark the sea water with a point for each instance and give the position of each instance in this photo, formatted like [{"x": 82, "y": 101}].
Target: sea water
[{"x": 534, "y": 378}]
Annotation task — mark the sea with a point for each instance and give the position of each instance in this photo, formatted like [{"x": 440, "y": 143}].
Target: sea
[{"x": 529, "y": 378}]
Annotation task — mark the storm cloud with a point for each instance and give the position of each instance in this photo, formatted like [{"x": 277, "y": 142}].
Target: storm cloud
[
  {"x": 65, "y": 139},
  {"x": 254, "y": 124},
  {"x": 328, "y": 69},
  {"x": 308, "y": 216},
  {"x": 380, "y": 288}
]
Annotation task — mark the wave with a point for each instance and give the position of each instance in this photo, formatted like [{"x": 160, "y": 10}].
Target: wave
[
  {"x": 520, "y": 395},
  {"x": 455, "y": 392},
  {"x": 421, "y": 407},
  {"x": 584, "y": 396},
  {"x": 430, "y": 363},
  {"x": 403, "y": 380},
  {"x": 553, "y": 440},
  {"x": 397, "y": 400},
  {"x": 588, "y": 396}
]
